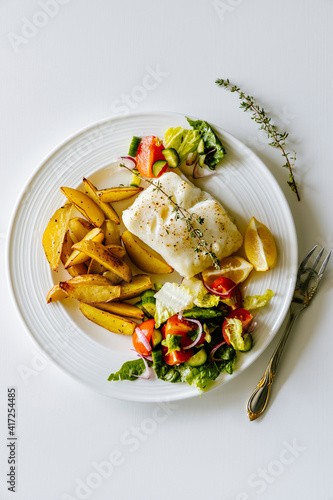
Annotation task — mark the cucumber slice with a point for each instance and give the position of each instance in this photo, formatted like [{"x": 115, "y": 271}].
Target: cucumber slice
[
  {"x": 147, "y": 293},
  {"x": 158, "y": 167},
  {"x": 171, "y": 156},
  {"x": 156, "y": 337},
  {"x": 158, "y": 286},
  {"x": 149, "y": 309},
  {"x": 201, "y": 147},
  {"x": 201, "y": 160},
  {"x": 133, "y": 149},
  {"x": 204, "y": 313},
  {"x": 135, "y": 180},
  {"x": 198, "y": 358},
  {"x": 248, "y": 342}
]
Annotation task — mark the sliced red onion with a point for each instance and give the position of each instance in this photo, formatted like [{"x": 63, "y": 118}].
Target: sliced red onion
[
  {"x": 252, "y": 327},
  {"x": 200, "y": 172},
  {"x": 143, "y": 339},
  {"x": 148, "y": 373},
  {"x": 191, "y": 158},
  {"x": 128, "y": 158},
  {"x": 213, "y": 351},
  {"x": 225, "y": 295},
  {"x": 198, "y": 337}
]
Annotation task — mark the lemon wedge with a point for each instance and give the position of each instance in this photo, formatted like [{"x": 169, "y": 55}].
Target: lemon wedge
[
  {"x": 235, "y": 268},
  {"x": 259, "y": 246}
]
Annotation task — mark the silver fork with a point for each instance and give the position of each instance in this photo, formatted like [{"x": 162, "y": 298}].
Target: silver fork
[{"x": 307, "y": 283}]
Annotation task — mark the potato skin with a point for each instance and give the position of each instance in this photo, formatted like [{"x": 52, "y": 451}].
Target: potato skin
[
  {"x": 54, "y": 235},
  {"x": 111, "y": 322}
]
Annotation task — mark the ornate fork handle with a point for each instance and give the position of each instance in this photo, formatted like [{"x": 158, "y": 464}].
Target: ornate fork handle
[{"x": 259, "y": 398}]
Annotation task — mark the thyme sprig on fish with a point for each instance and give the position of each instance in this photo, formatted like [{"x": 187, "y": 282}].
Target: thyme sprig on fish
[
  {"x": 278, "y": 139},
  {"x": 186, "y": 216}
]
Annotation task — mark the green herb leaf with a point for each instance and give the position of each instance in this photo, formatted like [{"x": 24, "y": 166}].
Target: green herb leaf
[
  {"x": 130, "y": 370},
  {"x": 214, "y": 149}
]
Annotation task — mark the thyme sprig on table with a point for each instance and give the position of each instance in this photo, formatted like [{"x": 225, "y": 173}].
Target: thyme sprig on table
[
  {"x": 189, "y": 219},
  {"x": 248, "y": 103}
]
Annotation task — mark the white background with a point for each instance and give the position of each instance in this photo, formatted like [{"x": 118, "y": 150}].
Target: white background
[{"x": 76, "y": 67}]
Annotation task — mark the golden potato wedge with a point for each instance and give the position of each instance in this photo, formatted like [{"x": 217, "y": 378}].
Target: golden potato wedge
[
  {"x": 111, "y": 322},
  {"x": 77, "y": 269},
  {"x": 78, "y": 228},
  {"x": 78, "y": 257},
  {"x": 54, "y": 234},
  {"x": 56, "y": 293},
  {"x": 142, "y": 258},
  {"x": 112, "y": 277},
  {"x": 121, "y": 308},
  {"x": 117, "y": 193},
  {"x": 85, "y": 205},
  {"x": 112, "y": 232},
  {"x": 95, "y": 267},
  {"x": 104, "y": 256},
  {"x": 139, "y": 284},
  {"x": 98, "y": 268},
  {"x": 95, "y": 289},
  {"x": 91, "y": 191}
]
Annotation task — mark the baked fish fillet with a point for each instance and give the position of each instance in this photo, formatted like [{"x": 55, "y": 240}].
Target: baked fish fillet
[{"x": 153, "y": 219}]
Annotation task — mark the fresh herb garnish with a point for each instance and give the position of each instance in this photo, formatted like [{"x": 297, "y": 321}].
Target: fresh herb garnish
[
  {"x": 248, "y": 103},
  {"x": 214, "y": 149},
  {"x": 189, "y": 219}
]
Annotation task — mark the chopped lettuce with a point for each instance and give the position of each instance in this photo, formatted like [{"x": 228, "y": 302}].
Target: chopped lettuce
[
  {"x": 201, "y": 296},
  {"x": 172, "y": 342},
  {"x": 211, "y": 141},
  {"x": 201, "y": 376},
  {"x": 234, "y": 330},
  {"x": 257, "y": 301},
  {"x": 182, "y": 140},
  {"x": 170, "y": 300},
  {"x": 129, "y": 371}
]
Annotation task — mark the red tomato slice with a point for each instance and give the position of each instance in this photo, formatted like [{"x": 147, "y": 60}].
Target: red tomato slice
[
  {"x": 244, "y": 316},
  {"x": 146, "y": 328},
  {"x": 149, "y": 151},
  {"x": 176, "y": 357},
  {"x": 223, "y": 285}
]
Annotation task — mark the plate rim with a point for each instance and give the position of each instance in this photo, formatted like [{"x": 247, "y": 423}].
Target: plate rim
[{"x": 294, "y": 255}]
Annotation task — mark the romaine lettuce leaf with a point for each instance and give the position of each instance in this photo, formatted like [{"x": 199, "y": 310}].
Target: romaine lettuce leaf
[
  {"x": 256, "y": 301},
  {"x": 170, "y": 300},
  {"x": 182, "y": 140},
  {"x": 234, "y": 330},
  {"x": 211, "y": 141},
  {"x": 201, "y": 296},
  {"x": 128, "y": 370}
]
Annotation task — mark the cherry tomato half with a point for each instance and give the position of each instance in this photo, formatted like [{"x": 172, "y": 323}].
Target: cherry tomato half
[
  {"x": 176, "y": 326},
  {"x": 235, "y": 300},
  {"x": 223, "y": 285},
  {"x": 147, "y": 328},
  {"x": 244, "y": 316},
  {"x": 149, "y": 151},
  {"x": 176, "y": 357}
]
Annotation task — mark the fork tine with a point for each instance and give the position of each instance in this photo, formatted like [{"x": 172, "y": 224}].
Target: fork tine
[
  {"x": 324, "y": 264},
  {"x": 317, "y": 259},
  {"x": 306, "y": 258}
]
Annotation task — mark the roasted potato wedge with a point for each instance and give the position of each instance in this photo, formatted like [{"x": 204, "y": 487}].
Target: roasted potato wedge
[
  {"x": 54, "y": 235},
  {"x": 85, "y": 205},
  {"x": 91, "y": 191},
  {"x": 77, "y": 269},
  {"x": 98, "y": 268},
  {"x": 142, "y": 258},
  {"x": 117, "y": 193},
  {"x": 104, "y": 256},
  {"x": 114, "y": 278},
  {"x": 56, "y": 293},
  {"x": 111, "y": 322},
  {"x": 139, "y": 284},
  {"x": 78, "y": 257},
  {"x": 112, "y": 232},
  {"x": 95, "y": 289},
  {"x": 121, "y": 308},
  {"x": 78, "y": 228}
]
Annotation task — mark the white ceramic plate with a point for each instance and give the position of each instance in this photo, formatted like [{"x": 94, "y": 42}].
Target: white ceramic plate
[{"x": 243, "y": 185}]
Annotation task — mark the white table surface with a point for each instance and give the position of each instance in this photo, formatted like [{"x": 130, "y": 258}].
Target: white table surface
[{"x": 77, "y": 67}]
